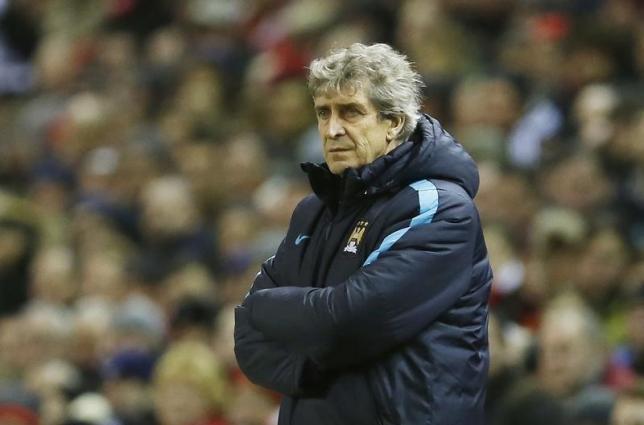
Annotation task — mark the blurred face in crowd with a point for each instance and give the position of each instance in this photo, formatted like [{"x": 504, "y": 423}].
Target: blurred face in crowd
[
  {"x": 44, "y": 334},
  {"x": 102, "y": 276},
  {"x": 130, "y": 397},
  {"x": 566, "y": 355},
  {"x": 191, "y": 281},
  {"x": 52, "y": 274},
  {"x": 199, "y": 93},
  {"x": 244, "y": 168},
  {"x": 628, "y": 411},
  {"x": 592, "y": 111},
  {"x": 168, "y": 207},
  {"x": 586, "y": 64},
  {"x": 236, "y": 229},
  {"x": 11, "y": 344},
  {"x": 284, "y": 108},
  {"x": 181, "y": 404},
  {"x": 577, "y": 182},
  {"x": 54, "y": 64},
  {"x": 601, "y": 264},
  {"x": 352, "y": 131},
  {"x": 196, "y": 162},
  {"x": 496, "y": 197},
  {"x": 627, "y": 144},
  {"x": 13, "y": 244},
  {"x": 491, "y": 102}
]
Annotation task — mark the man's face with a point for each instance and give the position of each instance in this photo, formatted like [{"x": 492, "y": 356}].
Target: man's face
[{"x": 352, "y": 132}]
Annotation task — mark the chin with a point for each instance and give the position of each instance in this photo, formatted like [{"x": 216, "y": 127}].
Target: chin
[
  {"x": 337, "y": 168},
  {"x": 340, "y": 161}
]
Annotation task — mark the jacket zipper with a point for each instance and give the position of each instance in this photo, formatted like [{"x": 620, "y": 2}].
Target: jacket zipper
[{"x": 329, "y": 225}]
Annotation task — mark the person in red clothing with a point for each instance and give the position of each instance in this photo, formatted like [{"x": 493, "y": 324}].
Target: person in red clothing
[{"x": 15, "y": 414}]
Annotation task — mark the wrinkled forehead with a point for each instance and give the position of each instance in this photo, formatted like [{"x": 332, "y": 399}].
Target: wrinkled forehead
[
  {"x": 341, "y": 86},
  {"x": 345, "y": 94}
]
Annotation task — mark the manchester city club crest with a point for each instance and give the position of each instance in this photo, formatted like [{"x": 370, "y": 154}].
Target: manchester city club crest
[{"x": 356, "y": 237}]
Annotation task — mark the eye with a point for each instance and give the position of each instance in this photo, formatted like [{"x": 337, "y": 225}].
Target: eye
[
  {"x": 351, "y": 112},
  {"x": 322, "y": 113}
]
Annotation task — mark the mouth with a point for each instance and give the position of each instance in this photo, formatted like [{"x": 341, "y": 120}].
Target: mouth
[{"x": 336, "y": 150}]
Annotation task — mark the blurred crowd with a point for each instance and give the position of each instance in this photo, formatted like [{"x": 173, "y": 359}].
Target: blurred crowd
[{"x": 149, "y": 155}]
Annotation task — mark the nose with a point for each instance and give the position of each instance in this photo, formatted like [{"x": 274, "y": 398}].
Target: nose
[{"x": 335, "y": 128}]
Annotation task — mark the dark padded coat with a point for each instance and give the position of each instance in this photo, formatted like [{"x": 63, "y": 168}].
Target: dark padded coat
[{"x": 374, "y": 308}]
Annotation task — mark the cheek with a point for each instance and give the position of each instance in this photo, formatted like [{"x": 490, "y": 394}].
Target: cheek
[
  {"x": 321, "y": 130},
  {"x": 362, "y": 148},
  {"x": 376, "y": 143}
]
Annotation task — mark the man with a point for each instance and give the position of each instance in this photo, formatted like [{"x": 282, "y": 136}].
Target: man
[{"x": 374, "y": 308}]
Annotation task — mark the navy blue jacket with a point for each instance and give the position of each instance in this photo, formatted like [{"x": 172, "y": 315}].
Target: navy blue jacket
[{"x": 374, "y": 308}]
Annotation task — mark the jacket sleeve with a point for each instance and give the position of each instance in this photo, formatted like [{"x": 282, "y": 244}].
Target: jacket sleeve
[
  {"x": 385, "y": 303},
  {"x": 263, "y": 360}
]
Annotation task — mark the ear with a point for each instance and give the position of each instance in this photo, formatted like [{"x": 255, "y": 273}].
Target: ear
[{"x": 396, "y": 125}]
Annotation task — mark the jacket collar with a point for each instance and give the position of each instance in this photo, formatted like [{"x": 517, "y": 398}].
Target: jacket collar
[
  {"x": 354, "y": 183},
  {"x": 430, "y": 152}
]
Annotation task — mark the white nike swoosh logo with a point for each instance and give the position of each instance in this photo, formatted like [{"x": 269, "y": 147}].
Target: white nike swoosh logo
[{"x": 300, "y": 238}]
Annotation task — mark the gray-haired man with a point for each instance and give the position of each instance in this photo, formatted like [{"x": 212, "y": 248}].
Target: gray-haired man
[{"x": 374, "y": 308}]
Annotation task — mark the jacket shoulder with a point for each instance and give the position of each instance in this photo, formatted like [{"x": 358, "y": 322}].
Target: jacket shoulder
[
  {"x": 308, "y": 207},
  {"x": 304, "y": 214},
  {"x": 307, "y": 203},
  {"x": 430, "y": 200}
]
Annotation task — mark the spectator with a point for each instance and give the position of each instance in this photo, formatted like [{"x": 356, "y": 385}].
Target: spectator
[
  {"x": 189, "y": 388},
  {"x": 126, "y": 377},
  {"x": 628, "y": 409},
  {"x": 571, "y": 354}
]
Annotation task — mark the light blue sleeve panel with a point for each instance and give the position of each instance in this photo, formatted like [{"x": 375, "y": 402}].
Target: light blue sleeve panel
[{"x": 428, "y": 204}]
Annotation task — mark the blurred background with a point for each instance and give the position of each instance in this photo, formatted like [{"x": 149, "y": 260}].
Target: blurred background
[{"x": 149, "y": 156}]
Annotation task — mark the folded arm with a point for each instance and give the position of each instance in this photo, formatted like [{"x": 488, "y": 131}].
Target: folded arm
[
  {"x": 382, "y": 305},
  {"x": 263, "y": 360}
]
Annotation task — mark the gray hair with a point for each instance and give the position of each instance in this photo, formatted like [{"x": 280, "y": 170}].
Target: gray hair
[{"x": 390, "y": 81}]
